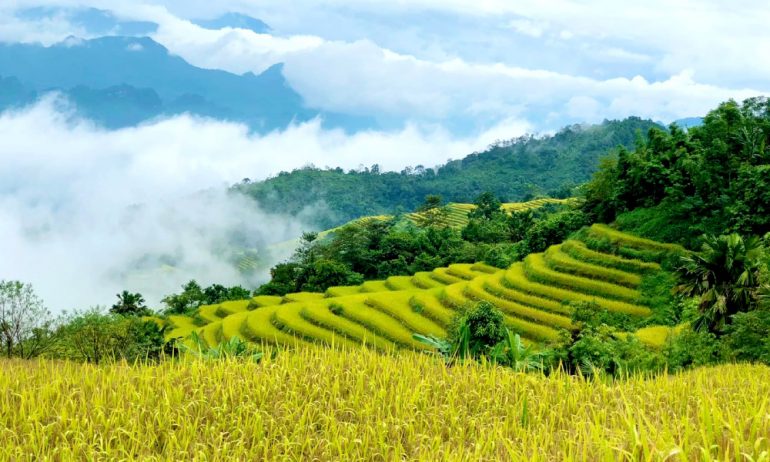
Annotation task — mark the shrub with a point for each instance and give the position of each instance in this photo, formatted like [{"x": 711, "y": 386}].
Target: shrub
[
  {"x": 480, "y": 328},
  {"x": 747, "y": 336}
]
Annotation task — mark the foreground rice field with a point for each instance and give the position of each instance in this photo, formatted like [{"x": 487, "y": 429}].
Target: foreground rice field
[{"x": 321, "y": 404}]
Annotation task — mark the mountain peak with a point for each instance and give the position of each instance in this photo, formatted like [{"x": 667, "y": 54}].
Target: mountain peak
[{"x": 235, "y": 21}]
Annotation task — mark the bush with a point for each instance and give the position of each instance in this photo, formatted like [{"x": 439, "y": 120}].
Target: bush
[
  {"x": 692, "y": 349},
  {"x": 478, "y": 330},
  {"x": 747, "y": 336}
]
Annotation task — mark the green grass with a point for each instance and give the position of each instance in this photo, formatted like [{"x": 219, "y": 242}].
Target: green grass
[
  {"x": 396, "y": 304},
  {"x": 559, "y": 261},
  {"x": 538, "y": 271},
  {"x": 579, "y": 251}
]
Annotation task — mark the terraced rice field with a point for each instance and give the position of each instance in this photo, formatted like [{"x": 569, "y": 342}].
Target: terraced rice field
[{"x": 535, "y": 296}]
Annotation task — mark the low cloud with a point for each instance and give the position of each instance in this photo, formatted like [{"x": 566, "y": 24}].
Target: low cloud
[{"x": 85, "y": 213}]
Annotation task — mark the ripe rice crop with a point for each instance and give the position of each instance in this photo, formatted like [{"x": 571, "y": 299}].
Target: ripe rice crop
[
  {"x": 579, "y": 251},
  {"x": 482, "y": 267},
  {"x": 425, "y": 280},
  {"x": 463, "y": 270},
  {"x": 443, "y": 276},
  {"x": 342, "y": 291},
  {"x": 288, "y": 318},
  {"x": 318, "y": 404},
  {"x": 475, "y": 290},
  {"x": 428, "y": 304},
  {"x": 231, "y": 325},
  {"x": 208, "y": 313},
  {"x": 212, "y": 333},
  {"x": 319, "y": 314},
  {"x": 266, "y": 300},
  {"x": 231, "y": 307},
  {"x": 374, "y": 286},
  {"x": 400, "y": 283},
  {"x": 302, "y": 297},
  {"x": 629, "y": 240},
  {"x": 516, "y": 278},
  {"x": 494, "y": 286},
  {"x": 380, "y": 323},
  {"x": 453, "y": 296},
  {"x": 260, "y": 329},
  {"x": 537, "y": 270},
  {"x": 396, "y": 304},
  {"x": 563, "y": 263}
]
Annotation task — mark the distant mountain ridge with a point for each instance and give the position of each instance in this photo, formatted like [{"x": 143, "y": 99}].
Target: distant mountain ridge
[
  {"x": 147, "y": 81},
  {"x": 515, "y": 171}
]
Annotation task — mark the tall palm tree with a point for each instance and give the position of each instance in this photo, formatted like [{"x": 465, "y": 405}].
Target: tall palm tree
[
  {"x": 129, "y": 304},
  {"x": 724, "y": 276}
]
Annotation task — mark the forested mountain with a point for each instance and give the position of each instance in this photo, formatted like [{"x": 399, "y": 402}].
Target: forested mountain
[
  {"x": 513, "y": 170},
  {"x": 121, "y": 81}
]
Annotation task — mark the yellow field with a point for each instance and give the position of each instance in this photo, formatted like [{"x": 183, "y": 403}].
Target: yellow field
[
  {"x": 534, "y": 295},
  {"x": 321, "y": 404}
]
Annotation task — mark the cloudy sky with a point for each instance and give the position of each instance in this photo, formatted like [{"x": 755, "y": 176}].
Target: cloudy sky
[{"x": 80, "y": 206}]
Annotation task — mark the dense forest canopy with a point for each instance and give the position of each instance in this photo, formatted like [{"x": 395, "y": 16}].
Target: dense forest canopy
[
  {"x": 513, "y": 170},
  {"x": 677, "y": 185}
]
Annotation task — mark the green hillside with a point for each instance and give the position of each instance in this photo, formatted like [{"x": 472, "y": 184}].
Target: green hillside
[
  {"x": 535, "y": 295},
  {"x": 513, "y": 170}
]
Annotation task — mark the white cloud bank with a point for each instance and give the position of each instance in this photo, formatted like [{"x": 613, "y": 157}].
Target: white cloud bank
[{"x": 85, "y": 212}]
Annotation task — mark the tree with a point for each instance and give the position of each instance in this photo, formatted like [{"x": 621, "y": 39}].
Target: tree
[
  {"x": 725, "y": 276},
  {"x": 130, "y": 304},
  {"x": 488, "y": 207},
  {"x": 432, "y": 212},
  {"x": 23, "y": 317}
]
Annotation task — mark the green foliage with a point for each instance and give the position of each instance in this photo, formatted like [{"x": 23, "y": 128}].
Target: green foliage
[
  {"x": 194, "y": 296},
  {"x": 748, "y": 336},
  {"x": 512, "y": 353},
  {"x": 95, "y": 337},
  {"x": 25, "y": 323},
  {"x": 235, "y": 348},
  {"x": 478, "y": 330},
  {"x": 690, "y": 348},
  {"x": 599, "y": 349},
  {"x": 511, "y": 170},
  {"x": 709, "y": 179},
  {"x": 725, "y": 276},
  {"x": 130, "y": 304}
]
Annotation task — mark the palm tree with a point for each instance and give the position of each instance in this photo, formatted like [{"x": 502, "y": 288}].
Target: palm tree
[
  {"x": 724, "y": 276},
  {"x": 129, "y": 304}
]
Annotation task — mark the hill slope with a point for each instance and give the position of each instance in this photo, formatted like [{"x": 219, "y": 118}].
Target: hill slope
[
  {"x": 512, "y": 171},
  {"x": 535, "y": 296}
]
